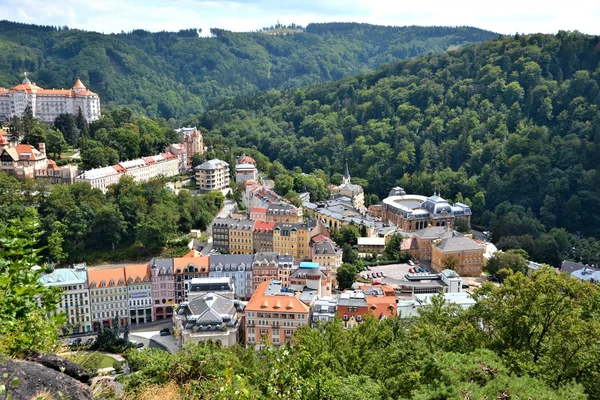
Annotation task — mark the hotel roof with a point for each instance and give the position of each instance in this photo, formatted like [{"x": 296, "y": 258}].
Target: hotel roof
[
  {"x": 137, "y": 273},
  {"x": 113, "y": 276},
  {"x": 269, "y": 297}
]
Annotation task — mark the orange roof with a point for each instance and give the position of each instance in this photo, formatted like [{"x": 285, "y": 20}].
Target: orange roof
[
  {"x": 28, "y": 152},
  {"x": 263, "y": 226},
  {"x": 261, "y": 210},
  {"x": 79, "y": 84},
  {"x": 263, "y": 302},
  {"x": 118, "y": 168},
  {"x": 133, "y": 272},
  {"x": 52, "y": 164},
  {"x": 3, "y": 90},
  {"x": 385, "y": 305},
  {"x": 319, "y": 238},
  {"x": 27, "y": 86},
  {"x": 192, "y": 253},
  {"x": 168, "y": 156},
  {"x": 244, "y": 159},
  {"x": 149, "y": 160},
  {"x": 182, "y": 262},
  {"x": 114, "y": 276}
]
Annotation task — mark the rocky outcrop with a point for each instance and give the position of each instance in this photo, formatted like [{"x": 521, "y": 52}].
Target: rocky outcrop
[
  {"x": 36, "y": 379},
  {"x": 59, "y": 364}
]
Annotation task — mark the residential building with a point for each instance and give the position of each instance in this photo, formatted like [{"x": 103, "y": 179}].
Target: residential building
[
  {"x": 200, "y": 286},
  {"x": 283, "y": 212},
  {"x": 410, "y": 212},
  {"x": 410, "y": 308},
  {"x": 353, "y": 191},
  {"x": 194, "y": 144},
  {"x": 309, "y": 277},
  {"x": 212, "y": 175},
  {"x": 262, "y": 236},
  {"x": 47, "y": 104},
  {"x": 220, "y": 233},
  {"x": 324, "y": 310},
  {"x": 75, "y": 301},
  {"x": 352, "y": 308},
  {"x": 245, "y": 172},
  {"x": 339, "y": 212},
  {"x": 108, "y": 297},
  {"x": 467, "y": 252},
  {"x": 286, "y": 267},
  {"x": 180, "y": 152},
  {"x": 238, "y": 267},
  {"x": 370, "y": 245},
  {"x": 292, "y": 239},
  {"x": 139, "y": 290},
  {"x": 329, "y": 256},
  {"x": 265, "y": 267},
  {"x": 259, "y": 214},
  {"x": 426, "y": 238},
  {"x": 260, "y": 196},
  {"x": 274, "y": 314},
  {"x": 100, "y": 178},
  {"x": 65, "y": 174},
  {"x": 240, "y": 237},
  {"x": 186, "y": 269},
  {"x": 163, "y": 288},
  {"x": 244, "y": 159},
  {"x": 208, "y": 317}
]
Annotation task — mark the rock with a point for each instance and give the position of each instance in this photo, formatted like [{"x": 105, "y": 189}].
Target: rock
[
  {"x": 61, "y": 365},
  {"x": 36, "y": 379}
]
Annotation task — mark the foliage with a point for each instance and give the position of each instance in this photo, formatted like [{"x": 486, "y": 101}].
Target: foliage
[
  {"x": 92, "y": 361},
  {"x": 25, "y": 303},
  {"x": 515, "y": 260},
  {"x": 444, "y": 353},
  {"x": 346, "y": 275},
  {"x": 108, "y": 339},
  {"x": 393, "y": 250},
  {"x": 174, "y": 74}
]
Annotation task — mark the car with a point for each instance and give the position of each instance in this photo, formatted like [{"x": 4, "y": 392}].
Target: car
[
  {"x": 89, "y": 341},
  {"x": 75, "y": 342},
  {"x": 364, "y": 268},
  {"x": 165, "y": 333},
  {"x": 411, "y": 263},
  {"x": 383, "y": 274},
  {"x": 368, "y": 268},
  {"x": 374, "y": 275},
  {"x": 377, "y": 283},
  {"x": 379, "y": 274},
  {"x": 139, "y": 345},
  {"x": 412, "y": 271}
]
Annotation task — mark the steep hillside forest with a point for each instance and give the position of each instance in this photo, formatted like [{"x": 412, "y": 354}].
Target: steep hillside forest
[
  {"x": 510, "y": 126},
  {"x": 176, "y": 74}
]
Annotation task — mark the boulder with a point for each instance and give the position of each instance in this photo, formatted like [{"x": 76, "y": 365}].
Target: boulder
[
  {"x": 59, "y": 364},
  {"x": 36, "y": 379}
]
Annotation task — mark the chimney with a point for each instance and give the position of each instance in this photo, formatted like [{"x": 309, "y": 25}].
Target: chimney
[{"x": 43, "y": 148}]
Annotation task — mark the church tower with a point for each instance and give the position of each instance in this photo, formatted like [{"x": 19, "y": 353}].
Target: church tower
[{"x": 346, "y": 180}]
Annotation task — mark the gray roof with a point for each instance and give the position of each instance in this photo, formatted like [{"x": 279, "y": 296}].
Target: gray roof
[
  {"x": 269, "y": 256},
  {"x": 209, "y": 309},
  {"x": 286, "y": 226},
  {"x": 211, "y": 285},
  {"x": 224, "y": 222},
  {"x": 353, "y": 302},
  {"x": 326, "y": 247},
  {"x": 280, "y": 208},
  {"x": 306, "y": 272},
  {"x": 286, "y": 258},
  {"x": 65, "y": 276},
  {"x": 232, "y": 260},
  {"x": 212, "y": 164},
  {"x": 572, "y": 266},
  {"x": 161, "y": 263},
  {"x": 435, "y": 232},
  {"x": 246, "y": 224},
  {"x": 458, "y": 243}
]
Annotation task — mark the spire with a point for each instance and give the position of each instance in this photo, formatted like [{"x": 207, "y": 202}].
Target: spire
[
  {"x": 25, "y": 79},
  {"x": 346, "y": 172},
  {"x": 79, "y": 85}
]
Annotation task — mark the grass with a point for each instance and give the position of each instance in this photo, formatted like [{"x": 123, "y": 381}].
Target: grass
[{"x": 91, "y": 361}]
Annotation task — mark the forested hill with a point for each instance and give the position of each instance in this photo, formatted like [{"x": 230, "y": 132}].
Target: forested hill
[
  {"x": 176, "y": 74},
  {"x": 511, "y": 126}
]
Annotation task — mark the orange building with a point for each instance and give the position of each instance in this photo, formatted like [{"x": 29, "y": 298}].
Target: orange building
[
  {"x": 186, "y": 269},
  {"x": 379, "y": 301},
  {"x": 108, "y": 296},
  {"x": 262, "y": 236},
  {"x": 468, "y": 253},
  {"x": 265, "y": 266},
  {"x": 240, "y": 237},
  {"x": 274, "y": 314},
  {"x": 281, "y": 212}
]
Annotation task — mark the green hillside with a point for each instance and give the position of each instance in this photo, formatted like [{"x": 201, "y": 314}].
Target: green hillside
[
  {"x": 176, "y": 74},
  {"x": 510, "y": 126}
]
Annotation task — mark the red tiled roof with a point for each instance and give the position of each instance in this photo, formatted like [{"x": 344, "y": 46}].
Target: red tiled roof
[
  {"x": 261, "y": 226},
  {"x": 149, "y": 160},
  {"x": 106, "y": 275},
  {"x": 135, "y": 271},
  {"x": 319, "y": 238},
  {"x": 168, "y": 155},
  {"x": 382, "y": 306},
  {"x": 258, "y": 210},
  {"x": 262, "y": 302},
  {"x": 118, "y": 168}
]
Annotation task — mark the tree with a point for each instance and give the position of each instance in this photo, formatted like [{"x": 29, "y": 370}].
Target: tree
[
  {"x": 65, "y": 123},
  {"x": 452, "y": 262},
  {"x": 461, "y": 225},
  {"x": 393, "y": 248},
  {"x": 55, "y": 142},
  {"x": 515, "y": 260},
  {"x": 349, "y": 254},
  {"x": 55, "y": 243},
  {"x": 25, "y": 303},
  {"x": 346, "y": 276}
]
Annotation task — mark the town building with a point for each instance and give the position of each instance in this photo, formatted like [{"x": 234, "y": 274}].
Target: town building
[
  {"x": 427, "y": 237},
  {"x": 262, "y": 236},
  {"x": 354, "y": 305},
  {"x": 220, "y": 233},
  {"x": 180, "y": 152},
  {"x": 339, "y": 212},
  {"x": 241, "y": 237},
  {"x": 244, "y": 159},
  {"x": 194, "y": 144},
  {"x": 212, "y": 175},
  {"x": 324, "y": 310},
  {"x": 410, "y": 308},
  {"x": 329, "y": 256},
  {"x": 286, "y": 267},
  {"x": 274, "y": 314},
  {"x": 448, "y": 281},
  {"x": 352, "y": 308},
  {"x": 163, "y": 288},
  {"x": 352, "y": 191},
  {"x": 411, "y": 212},
  {"x": 309, "y": 277},
  {"x": 259, "y": 214},
  {"x": 186, "y": 269},
  {"x": 75, "y": 302},
  {"x": 467, "y": 252},
  {"x": 260, "y": 196},
  {"x": 283, "y": 212},
  {"x": 25, "y": 161},
  {"x": 238, "y": 267},
  {"x": 245, "y": 172},
  {"x": 139, "y": 289},
  {"x": 47, "y": 104},
  {"x": 108, "y": 297},
  {"x": 265, "y": 267},
  {"x": 141, "y": 169},
  {"x": 292, "y": 239},
  {"x": 209, "y": 316},
  {"x": 370, "y": 245},
  {"x": 200, "y": 286}
]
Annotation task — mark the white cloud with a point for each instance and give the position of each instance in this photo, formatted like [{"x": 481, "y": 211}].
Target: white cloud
[{"x": 507, "y": 17}]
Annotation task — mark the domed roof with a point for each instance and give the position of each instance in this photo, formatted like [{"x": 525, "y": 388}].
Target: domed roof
[
  {"x": 397, "y": 191},
  {"x": 436, "y": 205}
]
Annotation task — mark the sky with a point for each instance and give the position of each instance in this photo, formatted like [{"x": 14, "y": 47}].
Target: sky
[{"x": 109, "y": 16}]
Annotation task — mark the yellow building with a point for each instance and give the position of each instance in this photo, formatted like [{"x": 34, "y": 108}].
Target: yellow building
[
  {"x": 467, "y": 252},
  {"x": 292, "y": 239},
  {"x": 425, "y": 239},
  {"x": 240, "y": 237},
  {"x": 284, "y": 213}
]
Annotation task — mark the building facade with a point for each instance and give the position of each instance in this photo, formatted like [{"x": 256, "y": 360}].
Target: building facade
[
  {"x": 245, "y": 172},
  {"x": 274, "y": 314},
  {"x": 163, "y": 288},
  {"x": 329, "y": 256},
  {"x": 220, "y": 233},
  {"x": 241, "y": 237},
  {"x": 238, "y": 267},
  {"x": 47, "y": 104},
  {"x": 212, "y": 175},
  {"x": 467, "y": 253},
  {"x": 354, "y": 192},
  {"x": 292, "y": 239},
  {"x": 262, "y": 236},
  {"x": 265, "y": 267},
  {"x": 186, "y": 269},
  {"x": 75, "y": 302},
  {"x": 282, "y": 212},
  {"x": 108, "y": 297},
  {"x": 139, "y": 290}
]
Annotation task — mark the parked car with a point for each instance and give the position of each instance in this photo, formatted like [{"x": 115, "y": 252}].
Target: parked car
[
  {"x": 379, "y": 274},
  {"x": 75, "y": 342},
  {"x": 383, "y": 274},
  {"x": 376, "y": 282},
  {"x": 410, "y": 262},
  {"x": 165, "y": 333},
  {"x": 374, "y": 275},
  {"x": 89, "y": 341},
  {"x": 139, "y": 345},
  {"x": 411, "y": 270},
  {"x": 368, "y": 268}
]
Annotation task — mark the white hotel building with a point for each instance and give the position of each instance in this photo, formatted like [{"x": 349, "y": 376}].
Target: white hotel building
[
  {"x": 47, "y": 104},
  {"x": 141, "y": 169}
]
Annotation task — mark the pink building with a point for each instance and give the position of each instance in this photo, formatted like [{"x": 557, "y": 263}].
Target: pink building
[{"x": 163, "y": 288}]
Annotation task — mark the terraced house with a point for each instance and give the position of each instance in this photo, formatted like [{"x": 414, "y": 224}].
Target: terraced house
[
  {"x": 238, "y": 267},
  {"x": 240, "y": 237},
  {"x": 163, "y": 287},
  {"x": 108, "y": 297}
]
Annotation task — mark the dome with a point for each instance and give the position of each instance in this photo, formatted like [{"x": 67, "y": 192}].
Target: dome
[
  {"x": 436, "y": 205},
  {"x": 397, "y": 191}
]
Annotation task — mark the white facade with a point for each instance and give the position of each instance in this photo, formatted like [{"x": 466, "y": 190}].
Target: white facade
[
  {"x": 237, "y": 267},
  {"x": 212, "y": 175},
  {"x": 47, "y": 104},
  {"x": 108, "y": 297},
  {"x": 245, "y": 172},
  {"x": 100, "y": 178},
  {"x": 140, "y": 301}
]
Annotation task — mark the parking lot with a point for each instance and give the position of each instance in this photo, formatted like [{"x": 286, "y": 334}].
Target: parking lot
[{"x": 393, "y": 272}]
